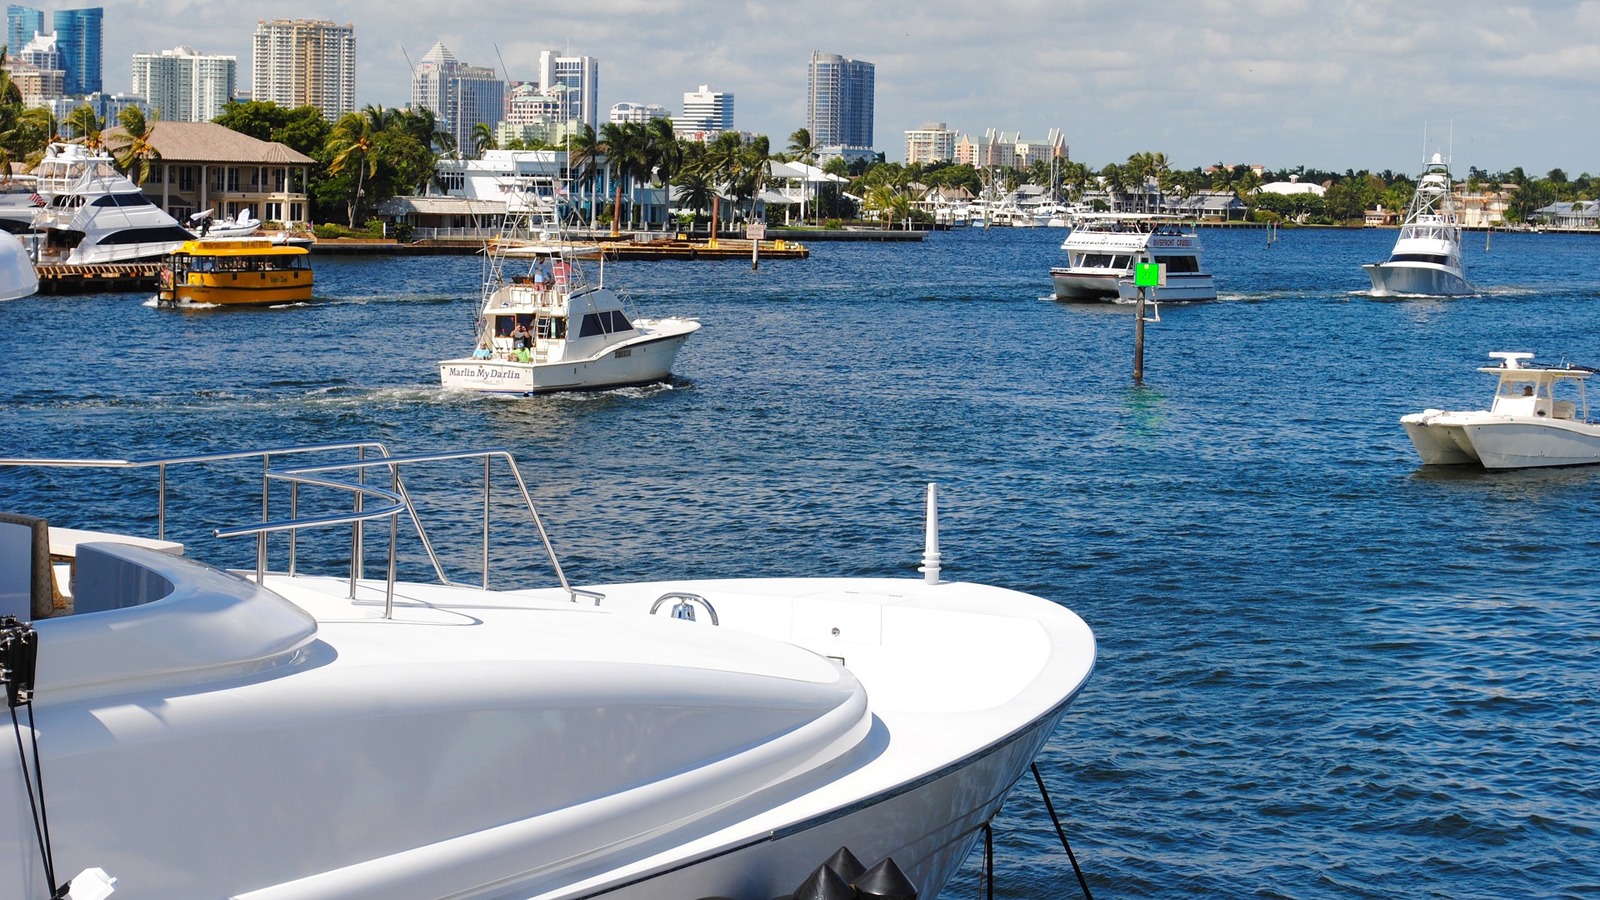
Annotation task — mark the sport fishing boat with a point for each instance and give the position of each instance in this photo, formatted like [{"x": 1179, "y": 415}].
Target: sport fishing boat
[
  {"x": 543, "y": 327},
  {"x": 243, "y": 271},
  {"x": 273, "y": 732},
  {"x": 1426, "y": 260},
  {"x": 93, "y": 214},
  {"x": 1540, "y": 417},
  {"x": 1103, "y": 248}
]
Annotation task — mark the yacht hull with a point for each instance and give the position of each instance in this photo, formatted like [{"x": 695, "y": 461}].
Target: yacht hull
[
  {"x": 1178, "y": 289},
  {"x": 1416, "y": 279},
  {"x": 1502, "y": 442},
  {"x": 645, "y": 361},
  {"x": 1078, "y": 285}
]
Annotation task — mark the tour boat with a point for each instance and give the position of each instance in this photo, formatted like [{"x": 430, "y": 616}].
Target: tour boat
[
  {"x": 1103, "y": 248},
  {"x": 184, "y": 731},
  {"x": 546, "y": 328},
  {"x": 93, "y": 214},
  {"x": 1540, "y": 417},
  {"x": 244, "y": 271},
  {"x": 1426, "y": 260}
]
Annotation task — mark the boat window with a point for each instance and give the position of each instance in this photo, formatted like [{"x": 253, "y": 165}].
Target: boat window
[
  {"x": 1434, "y": 258},
  {"x": 1120, "y": 261},
  {"x": 123, "y": 200},
  {"x": 1179, "y": 264},
  {"x": 591, "y": 325},
  {"x": 619, "y": 322},
  {"x": 1511, "y": 388},
  {"x": 163, "y": 234}
]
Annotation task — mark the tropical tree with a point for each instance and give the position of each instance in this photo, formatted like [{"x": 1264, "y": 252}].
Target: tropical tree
[
  {"x": 805, "y": 150},
  {"x": 755, "y": 167},
  {"x": 583, "y": 162},
  {"x": 664, "y": 152},
  {"x": 626, "y": 155},
  {"x": 84, "y": 124},
  {"x": 352, "y": 142},
  {"x": 482, "y": 139},
  {"x": 137, "y": 158}
]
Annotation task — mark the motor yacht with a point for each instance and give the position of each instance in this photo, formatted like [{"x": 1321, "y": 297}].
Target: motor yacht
[
  {"x": 93, "y": 214},
  {"x": 543, "y": 327},
  {"x": 286, "y": 731},
  {"x": 227, "y": 228},
  {"x": 1426, "y": 260},
  {"x": 1103, "y": 248},
  {"x": 1539, "y": 417}
]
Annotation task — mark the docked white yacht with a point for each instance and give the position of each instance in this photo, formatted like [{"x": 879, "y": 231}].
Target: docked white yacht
[
  {"x": 1426, "y": 260},
  {"x": 1540, "y": 417},
  {"x": 1103, "y": 248},
  {"x": 274, "y": 733},
  {"x": 546, "y": 328},
  {"x": 93, "y": 214}
]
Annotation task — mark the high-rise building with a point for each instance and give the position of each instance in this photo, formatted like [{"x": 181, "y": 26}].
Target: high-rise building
[
  {"x": 185, "y": 86},
  {"x": 637, "y": 113},
  {"x": 78, "y": 39},
  {"x": 461, "y": 96},
  {"x": 305, "y": 62},
  {"x": 931, "y": 143},
  {"x": 706, "y": 112},
  {"x": 576, "y": 79},
  {"x": 22, "y": 23},
  {"x": 839, "y": 102}
]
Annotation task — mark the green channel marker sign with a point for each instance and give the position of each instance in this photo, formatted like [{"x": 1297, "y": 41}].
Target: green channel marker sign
[{"x": 1149, "y": 274}]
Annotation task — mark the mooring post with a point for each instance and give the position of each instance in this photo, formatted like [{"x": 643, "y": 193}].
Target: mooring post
[{"x": 1138, "y": 337}]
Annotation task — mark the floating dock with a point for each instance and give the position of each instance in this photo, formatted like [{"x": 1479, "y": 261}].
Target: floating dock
[{"x": 60, "y": 278}]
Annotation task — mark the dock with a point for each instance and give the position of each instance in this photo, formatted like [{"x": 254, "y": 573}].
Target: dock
[{"x": 61, "y": 278}]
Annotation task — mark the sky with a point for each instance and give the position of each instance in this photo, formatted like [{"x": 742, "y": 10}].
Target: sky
[{"x": 1327, "y": 84}]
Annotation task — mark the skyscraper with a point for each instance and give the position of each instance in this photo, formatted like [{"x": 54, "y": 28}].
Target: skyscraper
[
  {"x": 185, "y": 86},
  {"x": 22, "y": 23},
  {"x": 706, "y": 112},
  {"x": 839, "y": 103},
  {"x": 577, "y": 80},
  {"x": 78, "y": 39},
  {"x": 461, "y": 96},
  {"x": 305, "y": 62}
]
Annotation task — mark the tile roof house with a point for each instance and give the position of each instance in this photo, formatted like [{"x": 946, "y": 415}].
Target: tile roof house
[{"x": 206, "y": 166}]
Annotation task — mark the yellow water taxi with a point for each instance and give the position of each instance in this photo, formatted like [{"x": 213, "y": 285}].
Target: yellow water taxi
[{"x": 236, "y": 272}]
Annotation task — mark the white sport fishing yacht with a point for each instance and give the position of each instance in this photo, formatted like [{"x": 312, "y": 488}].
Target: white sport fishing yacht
[
  {"x": 273, "y": 733},
  {"x": 543, "y": 327},
  {"x": 1540, "y": 417},
  {"x": 1103, "y": 248},
  {"x": 1426, "y": 260}
]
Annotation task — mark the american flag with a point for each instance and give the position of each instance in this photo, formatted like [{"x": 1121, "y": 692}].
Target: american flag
[{"x": 35, "y": 199}]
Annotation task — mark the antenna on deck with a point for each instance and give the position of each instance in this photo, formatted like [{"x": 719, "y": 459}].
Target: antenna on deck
[{"x": 930, "y": 547}]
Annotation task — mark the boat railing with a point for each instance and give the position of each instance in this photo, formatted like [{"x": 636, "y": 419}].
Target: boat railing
[{"x": 393, "y": 501}]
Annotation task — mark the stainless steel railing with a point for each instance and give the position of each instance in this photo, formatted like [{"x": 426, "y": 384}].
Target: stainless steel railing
[{"x": 394, "y": 501}]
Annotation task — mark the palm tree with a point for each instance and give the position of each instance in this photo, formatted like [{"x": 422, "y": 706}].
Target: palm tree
[
  {"x": 86, "y": 125},
  {"x": 801, "y": 145},
  {"x": 626, "y": 155},
  {"x": 664, "y": 152},
  {"x": 755, "y": 166},
  {"x": 583, "y": 161},
  {"x": 137, "y": 157},
  {"x": 352, "y": 142},
  {"x": 482, "y": 139}
]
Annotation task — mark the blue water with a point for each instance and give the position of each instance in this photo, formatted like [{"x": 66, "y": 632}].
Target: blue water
[{"x": 1325, "y": 672}]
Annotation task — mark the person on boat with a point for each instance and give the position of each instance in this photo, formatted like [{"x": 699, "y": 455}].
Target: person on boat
[
  {"x": 540, "y": 276},
  {"x": 520, "y": 339}
]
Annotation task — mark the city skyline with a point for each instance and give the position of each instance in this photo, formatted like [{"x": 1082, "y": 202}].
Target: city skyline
[{"x": 1335, "y": 85}]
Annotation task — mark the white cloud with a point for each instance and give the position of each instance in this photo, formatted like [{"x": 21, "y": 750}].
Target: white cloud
[{"x": 1333, "y": 84}]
